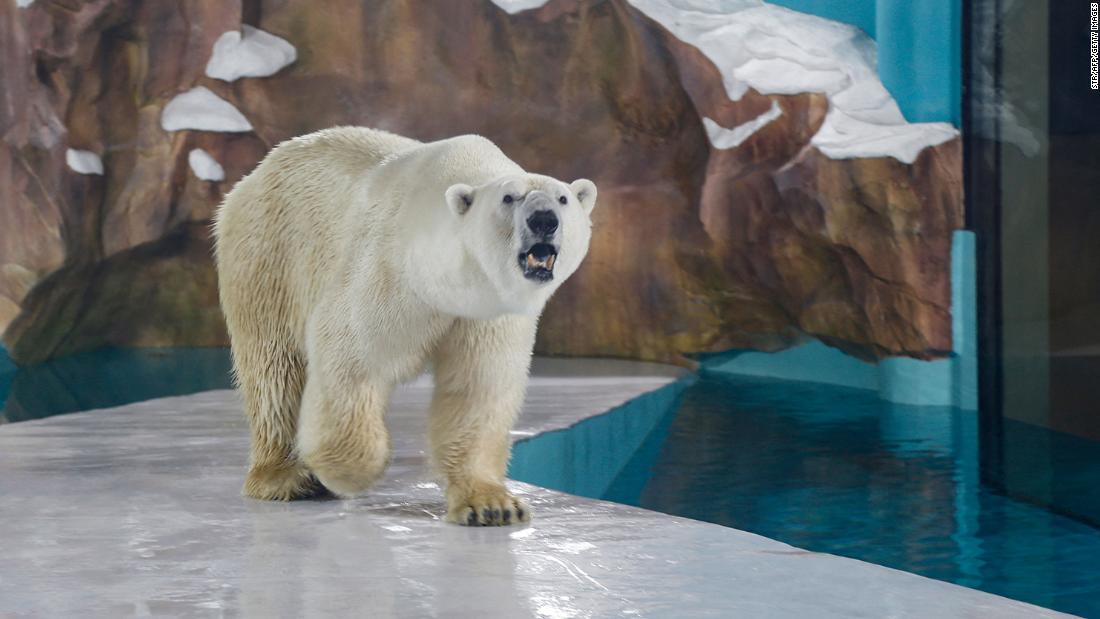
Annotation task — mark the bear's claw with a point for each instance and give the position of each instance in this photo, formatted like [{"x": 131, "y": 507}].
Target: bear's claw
[{"x": 492, "y": 508}]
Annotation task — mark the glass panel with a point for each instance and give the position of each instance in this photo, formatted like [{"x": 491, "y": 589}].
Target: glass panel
[{"x": 1033, "y": 133}]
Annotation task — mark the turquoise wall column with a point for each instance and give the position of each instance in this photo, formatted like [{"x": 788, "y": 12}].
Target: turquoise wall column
[
  {"x": 920, "y": 56},
  {"x": 964, "y": 317}
]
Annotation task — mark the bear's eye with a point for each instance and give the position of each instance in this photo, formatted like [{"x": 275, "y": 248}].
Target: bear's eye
[
  {"x": 563, "y": 200},
  {"x": 508, "y": 199}
]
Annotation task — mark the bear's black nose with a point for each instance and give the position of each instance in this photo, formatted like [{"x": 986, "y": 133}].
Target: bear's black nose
[{"x": 543, "y": 222}]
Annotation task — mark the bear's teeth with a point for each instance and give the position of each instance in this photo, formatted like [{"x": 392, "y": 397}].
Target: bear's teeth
[
  {"x": 531, "y": 262},
  {"x": 550, "y": 261}
]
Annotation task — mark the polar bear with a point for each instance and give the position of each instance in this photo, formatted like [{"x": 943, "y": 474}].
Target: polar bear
[{"x": 349, "y": 261}]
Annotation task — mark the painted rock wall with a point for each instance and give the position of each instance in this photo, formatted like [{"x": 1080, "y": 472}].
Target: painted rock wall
[{"x": 706, "y": 237}]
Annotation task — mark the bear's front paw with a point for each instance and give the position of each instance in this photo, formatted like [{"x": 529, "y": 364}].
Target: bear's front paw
[{"x": 487, "y": 506}]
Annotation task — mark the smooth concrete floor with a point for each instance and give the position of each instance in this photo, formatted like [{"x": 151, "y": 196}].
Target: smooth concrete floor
[{"x": 136, "y": 511}]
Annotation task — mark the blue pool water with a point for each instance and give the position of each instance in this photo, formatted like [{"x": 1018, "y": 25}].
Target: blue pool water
[{"x": 830, "y": 469}]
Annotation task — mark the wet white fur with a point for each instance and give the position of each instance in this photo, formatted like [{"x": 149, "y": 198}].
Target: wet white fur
[{"x": 348, "y": 261}]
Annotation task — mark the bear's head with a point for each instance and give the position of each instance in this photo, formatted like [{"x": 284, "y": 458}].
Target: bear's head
[{"x": 528, "y": 232}]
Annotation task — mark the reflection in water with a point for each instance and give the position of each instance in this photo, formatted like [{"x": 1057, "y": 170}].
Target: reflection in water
[
  {"x": 836, "y": 470},
  {"x": 110, "y": 377}
]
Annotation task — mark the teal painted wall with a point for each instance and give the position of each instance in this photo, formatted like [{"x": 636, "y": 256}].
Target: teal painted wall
[
  {"x": 108, "y": 377},
  {"x": 919, "y": 49},
  {"x": 7, "y": 374},
  {"x": 859, "y": 13},
  {"x": 920, "y": 56},
  {"x": 585, "y": 458}
]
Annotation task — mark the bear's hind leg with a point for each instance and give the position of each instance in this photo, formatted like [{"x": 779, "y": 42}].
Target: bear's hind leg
[
  {"x": 271, "y": 378},
  {"x": 480, "y": 380},
  {"x": 342, "y": 436}
]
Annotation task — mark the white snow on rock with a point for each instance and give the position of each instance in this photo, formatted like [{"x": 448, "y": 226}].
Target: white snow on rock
[
  {"x": 84, "y": 162},
  {"x": 775, "y": 50},
  {"x": 205, "y": 166},
  {"x": 201, "y": 109},
  {"x": 517, "y": 6},
  {"x": 251, "y": 53},
  {"x": 845, "y": 136},
  {"x": 723, "y": 138},
  {"x": 23, "y": 3}
]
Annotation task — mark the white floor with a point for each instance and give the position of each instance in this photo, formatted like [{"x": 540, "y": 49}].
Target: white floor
[{"x": 136, "y": 511}]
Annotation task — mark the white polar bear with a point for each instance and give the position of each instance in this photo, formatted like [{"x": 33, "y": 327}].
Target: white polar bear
[{"x": 350, "y": 259}]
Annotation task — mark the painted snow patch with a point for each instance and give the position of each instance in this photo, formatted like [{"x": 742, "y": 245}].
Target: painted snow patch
[
  {"x": 723, "y": 138},
  {"x": 251, "y": 53},
  {"x": 201, "y": 109},
  {"x": 517, "y": 6},
  {"x": 84, "y": 162},
  {"x": 845, "y": 136},
  {"x": 204, "y": 166},
  {"x": 775, "y": 50}
]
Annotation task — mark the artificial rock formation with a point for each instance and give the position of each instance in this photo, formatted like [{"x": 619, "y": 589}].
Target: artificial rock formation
[{"x": 695, "y": 248}]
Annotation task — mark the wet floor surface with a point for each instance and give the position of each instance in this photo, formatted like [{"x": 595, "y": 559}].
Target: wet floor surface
[{"x": 135, "y": 511}]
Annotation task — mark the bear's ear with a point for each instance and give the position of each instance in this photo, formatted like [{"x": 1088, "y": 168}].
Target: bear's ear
[
  {"x": 459, "y": 198},
  {"x": 585, "y": 190}
]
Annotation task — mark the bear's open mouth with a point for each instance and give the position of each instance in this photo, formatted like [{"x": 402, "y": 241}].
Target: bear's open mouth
[{"x": 538, "y": 262}]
